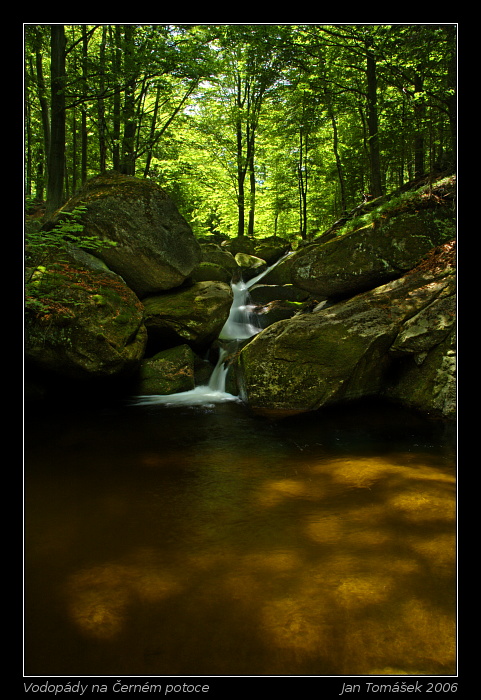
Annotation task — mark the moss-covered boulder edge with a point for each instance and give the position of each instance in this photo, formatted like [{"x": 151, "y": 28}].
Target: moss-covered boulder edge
[
  {"x": 396, "y": 340},
  {"x": 352, "y": 323}
]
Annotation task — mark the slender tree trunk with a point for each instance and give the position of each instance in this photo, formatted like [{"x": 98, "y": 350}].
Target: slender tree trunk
[
  {"x": 419, "y": 113},
  {"x": 241, "y": 173},
  {"x": 452, "y": 83},
  {"x": 83, "y": 128},
  {"x": 241, "y": 167},
  {"x": 74, "y": 148},
  {"x": 302, "y": 180},
  {"x": 152, "y": 132},
  {"x": 402, "y": 156},
  {"x": 42, "y": 96},
  {"x": 56, "y": 170},
  {"x": 101, "y": 107},
  {"x": 127, "y": 164},
  {"x": 116, "y": 107},
  {"x": 372, "y": 122},
  {"x": 252, "y": 202},
  {"x": 40, "y": 175},
  {"x": 340, "y": 174}
]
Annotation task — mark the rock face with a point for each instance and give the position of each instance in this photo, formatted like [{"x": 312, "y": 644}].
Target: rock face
[
  {"x": 349, "y": 350},
  {"x": 370, "y": 312},
  {"x": 271, "y": 249},
  {"x": 212, "y": 253},
  {"x": 93, "y": 327},
  {"x": 193, "y": 315},
  {"x": 168, "y": 372},
  {"x": 369, "y": 257},
  {"x": 156, "y": 249}
]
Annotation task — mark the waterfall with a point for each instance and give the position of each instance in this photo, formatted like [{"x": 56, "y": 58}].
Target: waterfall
[{"x": 240, "y": 325}]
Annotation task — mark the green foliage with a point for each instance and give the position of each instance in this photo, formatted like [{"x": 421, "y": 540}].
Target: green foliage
[
  {"x": 41, "y": 243},
  {"x": 43, "y": 281},
  {"x": 190, "y": 105}
]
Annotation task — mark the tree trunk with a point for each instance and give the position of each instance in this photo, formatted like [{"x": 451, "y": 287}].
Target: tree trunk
[
  {"x": 83, "y": 128},
  {"x": 452, "y": 84},
  {"x": 340, "y": 173},
  {"x": 56, "y": 161},
  {"x": 74, "y": 148},
  {"x": 101, "y": 107},
  {"x": 153, "y": 125},
  {"x": 419, "y": 113},
  {"x": 42, "y": 96},
  {"x": 241, "y": 168},
  {"x": 127, "y": 163},
  {"x": 302, "y": 178},
  {"x": 252, "y": 202},
  {"x": 116, "y": 108},
  {"x": 372, "y": 122}
]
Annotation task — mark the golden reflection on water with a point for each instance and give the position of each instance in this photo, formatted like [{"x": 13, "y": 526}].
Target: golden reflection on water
[
  {"x": 355, "y": 576},
  {"x": 99, "y": 597}
]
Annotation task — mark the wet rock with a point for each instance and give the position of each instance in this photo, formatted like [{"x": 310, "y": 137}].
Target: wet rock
[
  {"x": 168, "y": 372},
  {"x": 194, "y": 315}
]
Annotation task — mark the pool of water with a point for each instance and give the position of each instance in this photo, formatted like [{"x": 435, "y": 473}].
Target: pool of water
[{"x": 206, "y": 540}]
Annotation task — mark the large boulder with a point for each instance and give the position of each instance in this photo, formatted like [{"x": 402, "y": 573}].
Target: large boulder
[
  {"x": 82, "y": 321},
  {"x": 213, "y": 253},
  {"x": 425, "y": 353},
  {"x": 207, "y": 271},
  {"x": 239, "y": 244},
  {"x": 271, "y": 249},
  {"x": 280, "y": 274},
  {"x": 264, "y": 293},
  {"x": 217, "y": 264},
  {"x": 348, "y": 350},
  {"x": 156, "y": 249},
  {"x": 193, "y": 315},
  {"x": 394, "y": 242}
]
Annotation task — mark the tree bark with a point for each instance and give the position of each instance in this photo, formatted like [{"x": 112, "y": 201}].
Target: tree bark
[
  {"x": 241, "y": 173},
  {"x": 56, "y": 161},
  {"x": 101, "y": 107},
  {"x": 83, "y": 128},
  {"x": 302, "y": 180},
  {"x": 42, "y": 92},
  {"x": 116, "y": 107},
  {"x": 335, "y": 147},
  {"x": 127, "y": 164},
  {"x": 452, "y": 85},
  {"x": 419, "y": 113},
  {"x": 372, "y": 122},
  {"x": 252, "y": 201}
]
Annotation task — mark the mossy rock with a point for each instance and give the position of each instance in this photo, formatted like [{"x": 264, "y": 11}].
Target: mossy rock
[
  {"x": 156, "y": 248},
  {"x": 209, "y": 271},
  {"x": 168, "y": 372},
  {"x": 340, "y": 352},
  {"x": 194, "y": 315},
  {"x": 82, "y": 323},
  {"x": 372, "y": 255}
]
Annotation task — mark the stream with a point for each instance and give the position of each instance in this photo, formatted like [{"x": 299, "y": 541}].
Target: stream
[{"x": 187, "y": 536}]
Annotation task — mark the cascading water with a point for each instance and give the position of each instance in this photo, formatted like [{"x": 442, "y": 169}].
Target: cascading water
[{"x": 241, "y": 325}]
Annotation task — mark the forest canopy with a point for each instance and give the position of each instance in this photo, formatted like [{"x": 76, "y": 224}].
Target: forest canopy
[{"x": 252, "y": 129}]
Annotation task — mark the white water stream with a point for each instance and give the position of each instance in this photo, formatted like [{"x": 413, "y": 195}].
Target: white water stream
[{"x": 240, "y": 325}]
